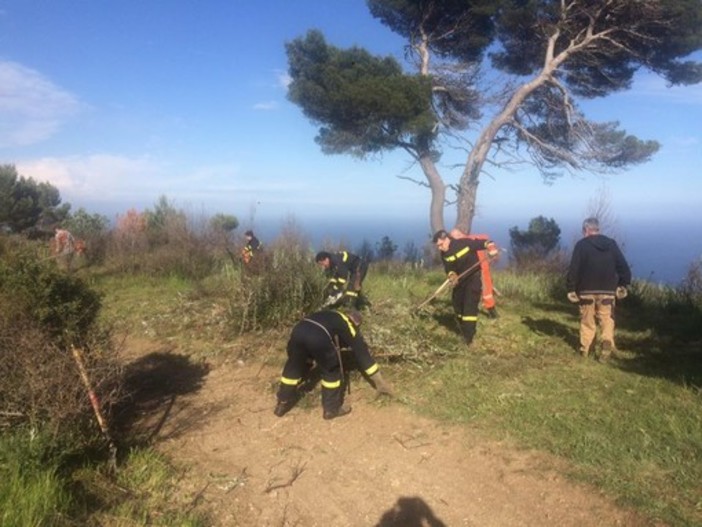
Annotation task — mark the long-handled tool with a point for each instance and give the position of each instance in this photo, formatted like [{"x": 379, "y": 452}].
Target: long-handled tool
[
  {"x": 104, "y": 428},
  {"x": 447, "y": 282}
]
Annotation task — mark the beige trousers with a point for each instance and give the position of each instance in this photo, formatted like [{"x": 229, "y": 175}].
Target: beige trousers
[{"x": 593, "y": 309}]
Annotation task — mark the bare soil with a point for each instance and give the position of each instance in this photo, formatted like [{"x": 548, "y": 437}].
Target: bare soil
[{"x": 381, "y": 465}]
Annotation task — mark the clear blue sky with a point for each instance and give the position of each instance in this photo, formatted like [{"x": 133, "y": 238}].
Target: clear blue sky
[{"x": 117, "y": 103}]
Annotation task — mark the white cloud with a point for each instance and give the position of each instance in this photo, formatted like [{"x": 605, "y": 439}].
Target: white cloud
[
  {"x": 284, "y": 80},
  {"x": 121, "y": 182},
  {"x": 651, "y": 85},
  {"x": 32, "y": 108},
  {"x": 95, "y": 177},
  {"x": 266, "y": 106}
]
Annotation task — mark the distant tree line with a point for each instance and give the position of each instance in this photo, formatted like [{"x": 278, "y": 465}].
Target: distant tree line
[{"x": 33, "y": 208}]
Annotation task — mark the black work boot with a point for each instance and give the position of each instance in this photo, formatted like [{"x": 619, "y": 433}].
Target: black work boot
[
  {"x": 492, "y": 313},
  {"x": 283, "y": 407},
  {"x": 332, "y": 414}
]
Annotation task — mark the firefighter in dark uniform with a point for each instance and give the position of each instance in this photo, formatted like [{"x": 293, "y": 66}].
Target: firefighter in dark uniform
[
  {"x": 252, "y": 246},
  {"x": 346, "y": 273},
  {"x": 459, "y": 256},
  {"x": 319, "y": 337}
]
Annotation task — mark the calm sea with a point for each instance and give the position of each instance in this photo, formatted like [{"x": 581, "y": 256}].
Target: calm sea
[{"x": 657, "y": 251}]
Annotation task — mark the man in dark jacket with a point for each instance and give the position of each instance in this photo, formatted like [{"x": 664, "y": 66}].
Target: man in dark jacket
[
  {"x": 462, "y": 265},
  {"x": 319, "y": 337},
  {"x": 346, "y": 273},
  {"x": 597, "y": 276}
]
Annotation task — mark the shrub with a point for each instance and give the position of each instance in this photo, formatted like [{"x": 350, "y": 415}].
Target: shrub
[
  {"x": 61, "y": 305},
  {"x": 386, "y": 248},
  {"x": 92, "y": 229},
  {"x": 283, "y": 285},
  {"x": 536, "y": 249},
  {"x": 691, "y": 286},
  {"x": 43, "y": 312},
  {"x": 160, "y": 243}
]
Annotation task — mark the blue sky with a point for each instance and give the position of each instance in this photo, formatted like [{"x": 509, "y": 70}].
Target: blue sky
[{"x": 117, "y": 103}]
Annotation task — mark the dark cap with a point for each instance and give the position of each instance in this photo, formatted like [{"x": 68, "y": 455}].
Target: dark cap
[
  {"x": 321, "y": 255},
  {"x": 439, "y": 235},
  {"x": 248, "y": 233}
]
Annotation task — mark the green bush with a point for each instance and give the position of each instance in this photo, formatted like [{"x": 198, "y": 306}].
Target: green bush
[
  {"x": 61, "y": 305},
  {"x": 44, "y": 313},
  {"x": 163, "y": 242},
  {"x": 279, "y": 287},
  {"x": 536, "y": 249},
  {"x": 92, "y": 229}
]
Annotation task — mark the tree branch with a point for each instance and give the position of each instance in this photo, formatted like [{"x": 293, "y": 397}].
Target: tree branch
[{"x": 296, "y": 473}]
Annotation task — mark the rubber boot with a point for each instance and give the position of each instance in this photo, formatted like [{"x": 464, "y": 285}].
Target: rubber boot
[
  {"x": 283, "y": 407},
  {"x": 333, "y": 414}
]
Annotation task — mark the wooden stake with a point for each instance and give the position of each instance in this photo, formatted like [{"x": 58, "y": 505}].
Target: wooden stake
[{"x": 78, "y": 357}]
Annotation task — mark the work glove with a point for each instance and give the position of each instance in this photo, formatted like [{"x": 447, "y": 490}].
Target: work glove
[
  {"x": 492, "y": 250},
  {"x": 573, "y": 297},
  {"x": 453, "y": 278},
  {"x": 379, "y": 383},
  {"x": 333, "y": 299},
  {"x": 621, "y": 292}
]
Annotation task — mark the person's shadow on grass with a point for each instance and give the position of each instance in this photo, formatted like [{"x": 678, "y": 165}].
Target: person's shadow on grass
[{"x": 551, "y": 328}]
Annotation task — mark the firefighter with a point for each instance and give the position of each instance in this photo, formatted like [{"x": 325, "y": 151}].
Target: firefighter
[
  {"x": 459, "y": 256},
  {"x": 488, "y": 291},
  {"x": 346, "y": 273},
  {"x": 252, "y": 246},
  {"x": 319, "y": 338}
]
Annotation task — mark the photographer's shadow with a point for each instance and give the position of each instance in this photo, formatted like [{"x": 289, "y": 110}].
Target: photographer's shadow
[{"x": 410, "y": 512}]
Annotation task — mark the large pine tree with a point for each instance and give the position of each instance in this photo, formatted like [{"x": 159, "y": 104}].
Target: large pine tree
[{"x": 549, "y": 53}]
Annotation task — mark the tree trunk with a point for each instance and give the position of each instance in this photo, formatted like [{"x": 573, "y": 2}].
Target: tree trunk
[
  {"x": 467, "y": 197},
  {"x": 438, "y": 192},
  {"x": 468, "y": 186}
]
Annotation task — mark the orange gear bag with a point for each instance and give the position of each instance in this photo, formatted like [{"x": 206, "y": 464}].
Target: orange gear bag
[{"x": 488, "y": 293}]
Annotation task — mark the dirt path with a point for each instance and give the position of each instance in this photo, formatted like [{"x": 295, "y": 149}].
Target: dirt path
[{"x": 379, "y": 466}]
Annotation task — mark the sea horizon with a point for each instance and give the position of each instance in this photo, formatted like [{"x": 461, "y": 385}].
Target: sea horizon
[{"x": 660, "y": 252}]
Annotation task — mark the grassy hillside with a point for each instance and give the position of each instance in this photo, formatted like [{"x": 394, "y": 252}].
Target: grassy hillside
[{"x": 633, "y": 426}]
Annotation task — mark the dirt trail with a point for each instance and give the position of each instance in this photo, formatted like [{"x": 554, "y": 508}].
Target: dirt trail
[{"x": 379, "y": 466}]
